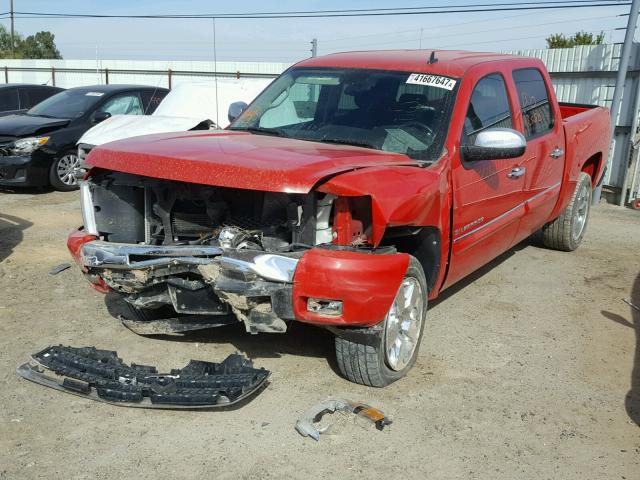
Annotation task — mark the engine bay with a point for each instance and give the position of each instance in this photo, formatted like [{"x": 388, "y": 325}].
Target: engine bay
[{"x": 141, "y": 210}]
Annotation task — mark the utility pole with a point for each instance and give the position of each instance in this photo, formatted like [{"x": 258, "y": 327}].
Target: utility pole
[
  {"x": 314, "y": 47},
  {"x": 620, "y": 81},
  {"x": 12, "y": 28}
]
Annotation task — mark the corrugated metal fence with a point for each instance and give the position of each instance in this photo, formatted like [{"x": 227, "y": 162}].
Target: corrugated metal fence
[
  {"x": 587, "y": 74},
  {"x": 583, "y": 74}
]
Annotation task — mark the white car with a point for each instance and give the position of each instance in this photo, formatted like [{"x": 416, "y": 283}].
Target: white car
[{"x": 189, "y": 106}]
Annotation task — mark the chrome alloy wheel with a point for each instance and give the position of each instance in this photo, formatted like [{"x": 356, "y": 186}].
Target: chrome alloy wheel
[
  {"x": 66, "y": 168},
  {"x": 403, "y": 324},
  {"x": 581, "y": 211}
]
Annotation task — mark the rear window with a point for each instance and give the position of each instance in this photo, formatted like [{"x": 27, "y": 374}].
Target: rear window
[{"x": 534, "y": 102}]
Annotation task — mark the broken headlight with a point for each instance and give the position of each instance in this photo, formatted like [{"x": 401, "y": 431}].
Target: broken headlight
[{"x": 27, "y": 145}]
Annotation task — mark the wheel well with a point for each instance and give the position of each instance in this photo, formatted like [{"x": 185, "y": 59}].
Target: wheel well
[
  {"x": 421, "y": 242},
  {"x": 591, "y": 166}
]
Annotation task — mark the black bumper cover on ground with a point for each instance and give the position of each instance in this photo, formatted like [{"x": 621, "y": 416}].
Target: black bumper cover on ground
[{"x": 101, "y": 375}]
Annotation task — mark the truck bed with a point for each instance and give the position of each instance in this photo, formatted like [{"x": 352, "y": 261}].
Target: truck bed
[{"x": 587, "y": 130}]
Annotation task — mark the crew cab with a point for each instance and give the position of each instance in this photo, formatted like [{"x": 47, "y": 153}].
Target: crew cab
[{"x": 353, "y": 190}]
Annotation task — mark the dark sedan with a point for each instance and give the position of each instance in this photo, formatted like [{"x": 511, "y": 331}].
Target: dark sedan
[{"x": 38, "y": 148}]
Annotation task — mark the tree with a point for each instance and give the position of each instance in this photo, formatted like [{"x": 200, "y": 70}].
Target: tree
[
  {"x": 40, "y": 45},
  {"x": 558, "y": 40}
]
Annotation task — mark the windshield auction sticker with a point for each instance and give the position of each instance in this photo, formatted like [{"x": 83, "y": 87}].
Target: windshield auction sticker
[
  {"x": 431, "y": 81},
  {"x": 94, "y": 94}
]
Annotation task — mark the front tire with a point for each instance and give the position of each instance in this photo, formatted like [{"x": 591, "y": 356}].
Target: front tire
[
  {"x": 566, "y": 232},
  {"x": 62, "y": 172},
  {"x": 395, "y": 345}
]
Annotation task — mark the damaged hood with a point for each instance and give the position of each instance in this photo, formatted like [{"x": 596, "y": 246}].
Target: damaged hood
[
  {"x": 238, "y": 159},
  {"x": 125, "y": 126}
]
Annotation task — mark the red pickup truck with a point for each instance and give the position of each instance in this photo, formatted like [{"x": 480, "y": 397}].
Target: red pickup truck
[{"x": 355, "y": 188}]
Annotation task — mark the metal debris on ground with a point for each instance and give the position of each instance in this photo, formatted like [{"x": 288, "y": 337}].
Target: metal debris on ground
[
  {"x": 305, "y": 424},
  {"x": 59, "y": 268},
  {"x": 101, "y": 375}
]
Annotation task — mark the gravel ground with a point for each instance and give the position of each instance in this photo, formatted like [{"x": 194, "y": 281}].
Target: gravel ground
[{"x": 526, "y": 371}]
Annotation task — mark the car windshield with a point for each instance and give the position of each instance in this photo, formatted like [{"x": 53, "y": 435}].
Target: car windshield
[
  {"x": 68, "y": 104},
  {"x": 400, "y": 112}
]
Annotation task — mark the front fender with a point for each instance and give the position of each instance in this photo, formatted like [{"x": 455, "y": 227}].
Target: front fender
[{"x": 400, "y": 196}]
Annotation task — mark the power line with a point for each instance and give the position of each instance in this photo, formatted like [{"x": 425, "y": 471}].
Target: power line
[
  {"x": 504, "y": 39},
  {"x": 515, "y": 27},
  {"x": 544, "y": 5},
  {"x": 415, "y": 30},
  {"x": 448, "y": 25}
]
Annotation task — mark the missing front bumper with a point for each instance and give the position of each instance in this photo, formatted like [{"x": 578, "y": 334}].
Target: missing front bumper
[{"x": 198, "y": 280}]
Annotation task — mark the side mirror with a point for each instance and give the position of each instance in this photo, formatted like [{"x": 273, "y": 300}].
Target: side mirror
[
  {"x": 495, "y": 144},
  {"x": 235, "y": 109},
  {"x": 100, "y": 117}
]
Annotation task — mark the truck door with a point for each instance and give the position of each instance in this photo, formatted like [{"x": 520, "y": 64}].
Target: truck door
[
  {"x": 488, "y": 194},
  {"x": 544, "y": 157}
]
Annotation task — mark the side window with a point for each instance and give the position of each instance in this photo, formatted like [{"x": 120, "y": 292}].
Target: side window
[
  {"x": 123, "y": 104},
  {"x": 295, "y": 105},
  {"x": 151, "y": 100},
  {"x": 488, "y": 108},
  {"x": 534, "y": 102},
  {"x": 8, "y": 99}
]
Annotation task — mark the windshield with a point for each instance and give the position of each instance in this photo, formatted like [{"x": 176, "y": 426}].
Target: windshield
[
  {"x": 398, "y": 112},
  {"x": 68, "y": 104}
]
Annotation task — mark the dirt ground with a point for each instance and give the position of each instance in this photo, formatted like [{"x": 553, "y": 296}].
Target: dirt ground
[{"x": 525, "y": 372}]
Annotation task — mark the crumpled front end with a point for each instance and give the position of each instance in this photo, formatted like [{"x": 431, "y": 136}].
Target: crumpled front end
[
  {"x": 262, "y": 258},
  {"x": 207, "y": 280}
]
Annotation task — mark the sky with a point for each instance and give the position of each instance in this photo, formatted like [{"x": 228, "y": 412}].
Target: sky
[{"x": 288, "y": 40}]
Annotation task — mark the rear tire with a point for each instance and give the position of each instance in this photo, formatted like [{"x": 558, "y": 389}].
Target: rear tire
[
  {"x": 395, "y": 346},
  {"x": 566, "y": 232}
]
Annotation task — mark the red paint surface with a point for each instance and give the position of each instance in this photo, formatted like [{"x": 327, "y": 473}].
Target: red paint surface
[
  {"x": 567, "y": 111},
  {"x": 236, "y": 159},
  {"x": 451, "y": 63},
  {"x": 366, "y": 283}
]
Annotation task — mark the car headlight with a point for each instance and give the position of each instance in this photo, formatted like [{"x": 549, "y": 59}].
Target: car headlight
[{"x": 28, "y": 145}]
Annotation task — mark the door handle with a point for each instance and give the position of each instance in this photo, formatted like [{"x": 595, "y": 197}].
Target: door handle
[
  {"x": 556, "y": 153},
  {"x": 516, "y": 172}
]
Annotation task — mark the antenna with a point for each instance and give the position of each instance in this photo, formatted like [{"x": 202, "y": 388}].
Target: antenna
[
  {"x": 215, "y": 67},
  {"x": 432, "y": 58}
]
